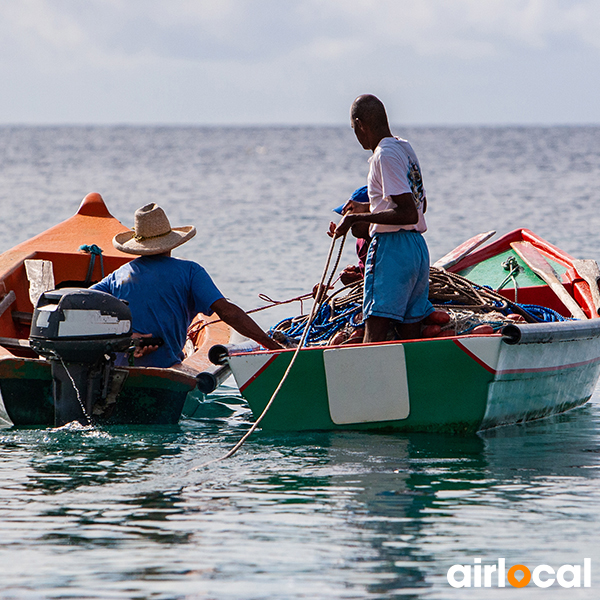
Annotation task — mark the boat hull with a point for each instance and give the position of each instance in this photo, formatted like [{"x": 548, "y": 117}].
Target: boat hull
[
  {"x": 148, "y": 396},
  {"x": 463, "y": 383},
  {"x": 458, "y": 385}
]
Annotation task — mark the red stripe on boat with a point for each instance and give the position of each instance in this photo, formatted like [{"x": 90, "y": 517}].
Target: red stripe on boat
[
  {"x": 258, "y": 373},
  {"x": 475, "y": 358},
  {"x": 569, "y": 366},
  {"x": 517, "y": 371}
]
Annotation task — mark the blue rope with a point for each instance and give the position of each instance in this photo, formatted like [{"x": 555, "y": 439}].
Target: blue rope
[
  {"x": 543, "y": 313},
  {"x": 328, "y": 321},
  {"x": 325, "y": 325},
  {"x": 93, "y": 251}
]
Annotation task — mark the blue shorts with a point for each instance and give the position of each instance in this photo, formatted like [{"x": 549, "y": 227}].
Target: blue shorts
[{"x": 397, "y": 277}]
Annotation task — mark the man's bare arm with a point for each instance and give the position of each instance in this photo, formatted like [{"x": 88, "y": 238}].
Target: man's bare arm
[
  {"x": 236, "y": 318},
  {"x": 403, "y": 213}
]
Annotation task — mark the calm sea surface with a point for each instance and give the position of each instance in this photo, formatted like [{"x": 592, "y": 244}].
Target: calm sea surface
[{"x": 117, "y": 514}]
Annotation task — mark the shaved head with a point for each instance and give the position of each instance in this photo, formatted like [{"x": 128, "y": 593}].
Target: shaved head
[{"x": 370, "y": 111}]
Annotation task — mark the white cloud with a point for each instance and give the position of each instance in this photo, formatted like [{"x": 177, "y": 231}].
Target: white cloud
[
  {"x": 248, "y": 30},
  {"x": 301, "y": 56},
  {"x": 39, "y": 22}
]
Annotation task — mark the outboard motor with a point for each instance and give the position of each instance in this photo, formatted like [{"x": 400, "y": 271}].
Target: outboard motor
[{"x": 78, "y": 331}]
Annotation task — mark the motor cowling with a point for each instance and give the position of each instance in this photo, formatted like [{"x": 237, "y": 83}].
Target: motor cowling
[
  {"x": 79, "y": 331},
  {"x": 79, "y": 325}
]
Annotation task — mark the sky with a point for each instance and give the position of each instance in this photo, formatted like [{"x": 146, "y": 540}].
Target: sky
[{"x": 259, "y": 62}]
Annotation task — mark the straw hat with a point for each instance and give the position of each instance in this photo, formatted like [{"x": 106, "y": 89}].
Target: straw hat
[{"x": 152, "y": 233}]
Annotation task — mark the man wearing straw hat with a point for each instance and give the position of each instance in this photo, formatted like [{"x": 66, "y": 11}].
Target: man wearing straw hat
[{"x": 166, "y": 293}]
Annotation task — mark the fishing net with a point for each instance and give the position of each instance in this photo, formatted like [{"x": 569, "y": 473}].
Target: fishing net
[{"x": 469, "y": 305}]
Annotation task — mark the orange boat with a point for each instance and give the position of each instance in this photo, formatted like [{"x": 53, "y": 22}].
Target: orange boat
[{"x": 75, "y": 254}]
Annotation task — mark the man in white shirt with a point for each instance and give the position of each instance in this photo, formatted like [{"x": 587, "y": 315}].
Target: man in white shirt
[{"x": 397, "y": 267}]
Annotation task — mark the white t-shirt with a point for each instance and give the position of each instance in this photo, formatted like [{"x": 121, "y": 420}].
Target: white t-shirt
[{"x": 395, "y": 170}]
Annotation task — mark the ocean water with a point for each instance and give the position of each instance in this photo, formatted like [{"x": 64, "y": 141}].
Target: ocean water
[{"x": 120, "y": 512}]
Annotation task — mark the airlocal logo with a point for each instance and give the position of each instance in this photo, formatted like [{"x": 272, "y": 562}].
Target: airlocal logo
[{"x": 478, "y": 575}]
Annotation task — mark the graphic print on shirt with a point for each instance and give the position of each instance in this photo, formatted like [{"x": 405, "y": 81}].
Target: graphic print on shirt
[{"x": 416, "y": 183}]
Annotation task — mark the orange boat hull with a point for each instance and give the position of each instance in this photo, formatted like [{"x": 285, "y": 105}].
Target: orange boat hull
[{"x": 149, "y": 395}]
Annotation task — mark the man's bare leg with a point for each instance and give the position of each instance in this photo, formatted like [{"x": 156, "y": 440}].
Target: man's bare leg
[{"x": 376, "y": 329}]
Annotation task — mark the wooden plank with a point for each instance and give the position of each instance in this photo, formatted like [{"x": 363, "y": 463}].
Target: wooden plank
[
  {"x": 40, "y": 274},
  {"x": 543, "y": 269},
  {"x": 456, "y": 255},
  {"x": 7, "y": 301},
  {"x": 588, "y": 269}
]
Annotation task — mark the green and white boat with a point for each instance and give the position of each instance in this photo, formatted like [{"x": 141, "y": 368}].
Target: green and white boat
[{"x": 454, "y": 383}]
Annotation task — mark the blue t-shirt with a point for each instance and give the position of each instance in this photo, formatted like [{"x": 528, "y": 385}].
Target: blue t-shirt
[{"x": 164, "y": 295}]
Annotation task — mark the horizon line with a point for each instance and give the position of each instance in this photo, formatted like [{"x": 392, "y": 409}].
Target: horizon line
[{"x": 291, "y": 125}]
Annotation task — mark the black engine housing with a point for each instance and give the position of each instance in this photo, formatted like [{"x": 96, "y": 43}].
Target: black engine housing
[{"x": 78, "y": 331}]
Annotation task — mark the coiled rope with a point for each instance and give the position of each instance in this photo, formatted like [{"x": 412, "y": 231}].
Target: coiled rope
[
  {"x": 451, "y": 290},
  {"x": 342, "y": 308},
  {"x": 468, "y": 304}
]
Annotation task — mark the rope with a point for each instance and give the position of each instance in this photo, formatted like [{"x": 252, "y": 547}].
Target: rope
[
  {"x": 198, "y": 325},
  {"x": 93, "y": 251},
  {"x": 273, "y": 303},
  {"x": 343, "y": 308},
  {"x": 85, "y": 413},
  {"x": 287, "y": 371},
  {"x": 543, "y": 313},
  {"x": 468, "y": 304},
  {"x": 451, "y": 290},
  {"x": 321, "y": 296}
]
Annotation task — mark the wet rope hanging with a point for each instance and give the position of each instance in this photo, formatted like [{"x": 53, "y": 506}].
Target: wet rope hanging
[
  {"x": 85, "y": 412},
  {"x": 319, "y": 300},
  {"x": 511, "y": 265}
]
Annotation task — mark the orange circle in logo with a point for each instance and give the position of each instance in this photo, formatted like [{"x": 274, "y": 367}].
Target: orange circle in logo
[{"x": 518, "y": 583}]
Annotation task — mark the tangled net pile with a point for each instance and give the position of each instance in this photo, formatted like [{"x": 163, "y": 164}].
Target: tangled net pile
[
  {"x": 469, "y": 305},
  {"x": 342, "y": 310}
]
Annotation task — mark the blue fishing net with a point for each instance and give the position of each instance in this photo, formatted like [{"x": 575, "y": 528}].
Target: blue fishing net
[
  {"x": 334, "y": 316},
  {"x": 543, "y": 314},
  {"x": 328, "y": 321}
]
